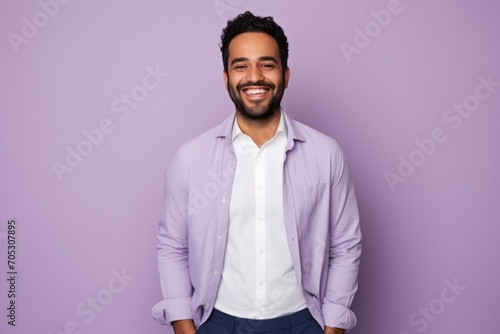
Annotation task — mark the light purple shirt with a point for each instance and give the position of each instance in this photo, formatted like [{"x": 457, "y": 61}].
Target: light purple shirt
[{"x": 321, "y": 222}]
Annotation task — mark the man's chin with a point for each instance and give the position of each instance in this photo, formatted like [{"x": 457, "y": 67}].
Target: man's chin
[{"x": 257, "y": 115}]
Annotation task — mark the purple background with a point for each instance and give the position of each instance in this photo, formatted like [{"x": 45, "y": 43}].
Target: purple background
[{"x": 440, "y": 224}]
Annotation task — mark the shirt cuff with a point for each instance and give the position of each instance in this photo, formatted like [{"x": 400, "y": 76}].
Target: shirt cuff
[
  {"x": 339, "y": 316},
  {"x": 170, "y": 310}
]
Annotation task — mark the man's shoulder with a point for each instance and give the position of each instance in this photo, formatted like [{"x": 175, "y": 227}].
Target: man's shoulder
[
  {"x": 318, "y": 150},
  {"x": 313, "y": 137},
  {"x": 204, "y": 143},
  {"x": 201, "y": 141}
]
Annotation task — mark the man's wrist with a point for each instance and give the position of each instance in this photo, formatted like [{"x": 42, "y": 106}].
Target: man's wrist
[
  {"x": 185, "y": 326},
  {"x": 334, "y": 330}
]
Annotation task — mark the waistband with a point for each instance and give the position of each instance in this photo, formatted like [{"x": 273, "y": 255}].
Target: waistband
[{"x": 260, "y": 325}]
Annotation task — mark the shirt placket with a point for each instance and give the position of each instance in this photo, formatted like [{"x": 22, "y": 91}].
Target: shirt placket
[{"x": 260, "y": 231}]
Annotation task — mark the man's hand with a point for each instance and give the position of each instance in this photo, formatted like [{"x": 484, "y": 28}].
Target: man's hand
[
  {"x": 184, "y": 327},
  {"x": 331, "y": 330}
]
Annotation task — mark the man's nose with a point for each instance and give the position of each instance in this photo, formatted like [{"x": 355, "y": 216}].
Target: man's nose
[{"x": 255, "y": 74}]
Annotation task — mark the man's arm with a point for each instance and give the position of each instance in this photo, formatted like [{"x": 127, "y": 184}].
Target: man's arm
[
  {"x": 173, "y": 247},
  {"x": 344, "y": 251},
  {"x": 184, "y": 327}
]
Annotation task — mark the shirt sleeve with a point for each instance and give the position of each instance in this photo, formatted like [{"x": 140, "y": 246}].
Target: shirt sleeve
[
  {"x": 173, "y": 247},
  {"x": 344, "y": 250}
]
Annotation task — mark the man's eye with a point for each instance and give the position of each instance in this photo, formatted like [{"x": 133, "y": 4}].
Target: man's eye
[
  {"x": 240, "y": 67},
  {"x": 268, "y": 65}
]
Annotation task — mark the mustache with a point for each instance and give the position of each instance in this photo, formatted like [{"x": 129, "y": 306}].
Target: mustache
[{"x": 258, "y": 83}]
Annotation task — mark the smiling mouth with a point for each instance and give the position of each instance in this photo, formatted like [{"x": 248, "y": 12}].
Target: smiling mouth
[{"x": 256, "y": 92}]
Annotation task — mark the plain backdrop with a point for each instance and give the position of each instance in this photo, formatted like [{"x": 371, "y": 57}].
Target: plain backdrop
[{"x": 386, "y": 79}]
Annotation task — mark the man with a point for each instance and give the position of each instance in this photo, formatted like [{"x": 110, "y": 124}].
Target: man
[{"x": 260, "y": 228}]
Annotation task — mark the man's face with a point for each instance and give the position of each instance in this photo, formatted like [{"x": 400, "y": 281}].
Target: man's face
[{"x": 255, "y": 78}]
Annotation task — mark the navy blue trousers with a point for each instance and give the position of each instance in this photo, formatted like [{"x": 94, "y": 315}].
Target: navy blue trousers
[{"x": 301, "y": 322}]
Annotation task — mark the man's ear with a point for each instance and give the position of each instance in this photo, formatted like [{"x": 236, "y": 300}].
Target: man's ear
[
  {"x": 287, "y": 76},
  {"x": 224, "y": 76}
]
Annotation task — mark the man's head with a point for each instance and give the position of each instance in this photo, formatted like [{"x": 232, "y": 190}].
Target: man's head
[
  {"x": 247, "y": 22},
  {"x": 255, "y": 53}
]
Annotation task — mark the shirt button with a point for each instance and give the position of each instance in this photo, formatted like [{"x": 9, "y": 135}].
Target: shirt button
[
  {"x": 216, "y": 273},
  {"x": 207, "y": 305},
  {"x": 261, "y": 218},
  {"x": 261, "y": 283},
  {"x": 220, "y": 237},
  {"x": 260, "y": 187},
  {"x": 223, "y": 200},
  {"x": 261, "y": 251}
]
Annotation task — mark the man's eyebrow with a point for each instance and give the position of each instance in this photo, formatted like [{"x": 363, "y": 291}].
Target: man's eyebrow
[
  {"x": 268, "y": 58},
  {"x": 263, "y": 58},
  {"x": 237, "y": 60}
]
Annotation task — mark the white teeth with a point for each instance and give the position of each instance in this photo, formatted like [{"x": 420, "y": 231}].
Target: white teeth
[{"x": 255, "y": 91}]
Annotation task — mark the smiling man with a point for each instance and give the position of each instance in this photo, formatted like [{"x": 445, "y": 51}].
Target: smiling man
[{"x": 260, "y": 228}]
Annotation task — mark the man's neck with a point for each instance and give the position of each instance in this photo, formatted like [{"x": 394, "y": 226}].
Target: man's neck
[{"x": 261, "y": 131}]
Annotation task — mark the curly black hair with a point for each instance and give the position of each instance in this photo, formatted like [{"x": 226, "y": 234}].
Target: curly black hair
[{"x": 247, "y": 22}]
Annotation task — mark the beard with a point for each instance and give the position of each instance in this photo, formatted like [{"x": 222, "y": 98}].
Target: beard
[{"x": 257, "y": 110}]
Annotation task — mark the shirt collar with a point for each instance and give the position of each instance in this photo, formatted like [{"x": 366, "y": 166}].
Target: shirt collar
[{"x": 293, "y": 132}]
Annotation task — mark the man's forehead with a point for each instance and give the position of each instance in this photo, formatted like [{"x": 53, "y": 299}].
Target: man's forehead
[{"x": 253, "y": 45}]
